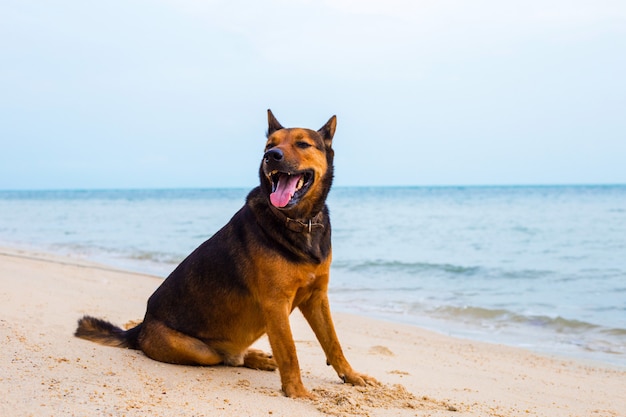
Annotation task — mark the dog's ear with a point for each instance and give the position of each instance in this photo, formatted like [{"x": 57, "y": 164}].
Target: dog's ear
[
  {"x": 328, "y": 131},
  {"x": 272, "y": 123}
]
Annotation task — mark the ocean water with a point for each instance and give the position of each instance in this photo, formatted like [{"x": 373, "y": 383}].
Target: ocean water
[{"x": 538, "y": 267}]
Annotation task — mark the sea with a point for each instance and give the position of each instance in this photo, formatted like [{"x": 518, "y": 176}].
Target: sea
[{"x": 538, "y": 267}]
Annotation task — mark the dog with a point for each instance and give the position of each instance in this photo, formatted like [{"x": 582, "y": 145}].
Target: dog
[{"x": 273, "y": 256}]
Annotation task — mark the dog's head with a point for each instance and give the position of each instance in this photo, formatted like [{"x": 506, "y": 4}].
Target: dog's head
[{"x": 297, "y": 167}]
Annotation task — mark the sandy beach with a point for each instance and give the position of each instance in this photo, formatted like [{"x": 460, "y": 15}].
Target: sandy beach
[{"x": 48, "y": 372}]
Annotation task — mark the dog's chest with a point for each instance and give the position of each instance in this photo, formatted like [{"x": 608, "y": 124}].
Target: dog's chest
[{"x": 314, "y": 246}]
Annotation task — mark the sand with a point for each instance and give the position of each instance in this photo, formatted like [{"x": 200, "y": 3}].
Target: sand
[{"x": 48, "y": 372}]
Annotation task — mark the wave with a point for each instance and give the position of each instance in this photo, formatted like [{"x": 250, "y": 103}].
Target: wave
[
  {"x": 405, "y": 267},
  {"x": 428, "y": 269},
  {"x": 155, "y": 256},
  {"x": 99, "y": 251},
  {"x": 552, "y": 334},
  {"x": 558, "y": 324}
]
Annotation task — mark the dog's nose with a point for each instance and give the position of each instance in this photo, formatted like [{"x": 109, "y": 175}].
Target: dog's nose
[{"x": 273, "y": 154}]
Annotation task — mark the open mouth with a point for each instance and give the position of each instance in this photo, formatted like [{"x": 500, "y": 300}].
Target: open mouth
[{"x": 289, "y": 188}]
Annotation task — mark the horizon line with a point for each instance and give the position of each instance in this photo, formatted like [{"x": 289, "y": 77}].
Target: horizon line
[{"x": 243, "y": 187}]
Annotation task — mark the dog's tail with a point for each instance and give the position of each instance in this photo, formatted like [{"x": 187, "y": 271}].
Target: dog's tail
[{"x": 105, "y": 333}]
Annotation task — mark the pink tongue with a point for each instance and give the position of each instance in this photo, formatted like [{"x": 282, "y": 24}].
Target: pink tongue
[{"x": 285, "y": 189}]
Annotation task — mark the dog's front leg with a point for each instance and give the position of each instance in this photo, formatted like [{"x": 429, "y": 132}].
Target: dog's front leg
[
  {"x": 284, "y": 350},
  {"x": 316, "y": 310}
]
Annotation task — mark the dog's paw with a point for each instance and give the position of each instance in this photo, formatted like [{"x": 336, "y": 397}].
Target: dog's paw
[
  {"x": 257, "y": 359},
  {"x": 361, "y": 380},
  {"x": 295, "y": 391}
]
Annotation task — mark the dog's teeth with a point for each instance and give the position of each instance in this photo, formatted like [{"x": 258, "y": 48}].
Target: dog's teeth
[{"x": 300, "y": 183}]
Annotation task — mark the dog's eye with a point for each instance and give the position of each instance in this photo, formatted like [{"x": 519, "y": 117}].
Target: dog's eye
[{"x": 303, "y": 145}]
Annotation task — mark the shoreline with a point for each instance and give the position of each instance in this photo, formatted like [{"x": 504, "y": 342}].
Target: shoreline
[
  {"x": 536, "y": 340},
  {"x": 47, "y": 371}
]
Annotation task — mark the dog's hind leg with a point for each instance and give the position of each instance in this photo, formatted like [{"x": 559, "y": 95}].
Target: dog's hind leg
[{"x": 165, "y": 344}]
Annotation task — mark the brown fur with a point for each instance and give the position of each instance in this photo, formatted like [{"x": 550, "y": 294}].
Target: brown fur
[{"x": 246, "y": 280}]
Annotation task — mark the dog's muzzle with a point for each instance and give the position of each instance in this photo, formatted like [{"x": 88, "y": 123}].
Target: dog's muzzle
[{"x": 273, "y": 155}]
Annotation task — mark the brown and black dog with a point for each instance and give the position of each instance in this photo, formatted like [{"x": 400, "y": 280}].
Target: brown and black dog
[{"x": 273, "y": 256}]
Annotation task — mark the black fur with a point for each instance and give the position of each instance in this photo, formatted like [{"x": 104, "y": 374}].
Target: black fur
[{"x": 102, "y": 331}]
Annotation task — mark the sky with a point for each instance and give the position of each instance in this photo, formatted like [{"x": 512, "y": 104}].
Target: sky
[{"x": 174, "y": 93}]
